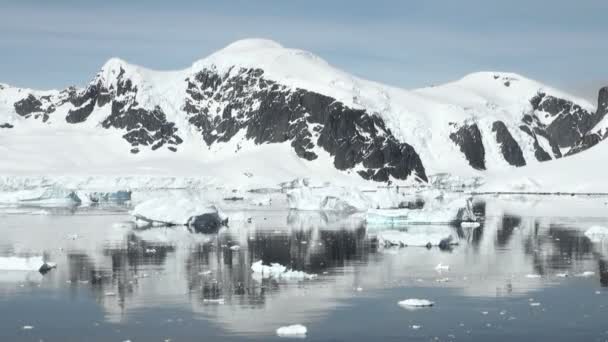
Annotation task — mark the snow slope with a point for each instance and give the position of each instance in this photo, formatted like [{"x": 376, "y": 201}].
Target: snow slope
[
  {"x": 582, "y": 173},
  {"x": 56, "y": 149}
]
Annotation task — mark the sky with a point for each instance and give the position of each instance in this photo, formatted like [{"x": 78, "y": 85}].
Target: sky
[{"x": 53, "y": 44}]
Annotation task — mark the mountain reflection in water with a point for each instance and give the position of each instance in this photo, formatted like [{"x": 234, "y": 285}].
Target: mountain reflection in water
[{"x": 128, "y": 270}]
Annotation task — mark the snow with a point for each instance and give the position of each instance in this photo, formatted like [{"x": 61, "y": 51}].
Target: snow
[
  {"x": 416, "y": 303},
  {"x": 292, "y": 330},
  {"x": 578, "y": 173},
  {"x": 66, "y": 153},
  {"x": 597, "y": 234},
  {"x": 278, "y": 271},
  {"x": 175, "y": 210}
]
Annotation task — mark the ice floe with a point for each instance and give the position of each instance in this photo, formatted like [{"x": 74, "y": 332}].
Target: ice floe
[
  {"x": 278, "y": 271},
  {"x": 178, "y": 210},
  {"x": 597, "y": 234},
  {"x": 36, "y": 263},
  {"x": 292, "y": 331}
]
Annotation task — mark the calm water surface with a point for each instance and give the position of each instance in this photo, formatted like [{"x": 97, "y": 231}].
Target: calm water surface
[{"x": 114, "y": 282}]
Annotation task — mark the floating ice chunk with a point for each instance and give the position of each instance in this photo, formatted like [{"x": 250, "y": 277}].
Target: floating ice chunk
[
  {"x": 470, "y": 224},
  {"x": 278, "y": 271},
  {"x": 562, "y": 275},
  {"x": 533, "y": 276},
  {"x": 416, "y": 303},
  {"x": 296, "y": 330},
  {"x": 441, "y": 267},
  {"x": 327, "y": 199},
  {"x": 178, "y": 210},
  {"x": 416, "y": 327},
  {"x": 48, "y": 195},
  {"x": 28, "y": 327},
  {"x": 597, "y": 234},
  {"x": 586, "y": 274},
  {"x": 235, "y": 247},
  {"x": 535, "y": 304},
  {"x": 219, "y": 301},
  {"x": 25, "y": 264},
  {"x": 110, "y": 294}
]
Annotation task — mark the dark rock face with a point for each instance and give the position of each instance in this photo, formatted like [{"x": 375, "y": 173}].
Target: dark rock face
[
  {"x": 586, "y": 142},
  {"x": 468, "y": 138},
  {"x": 571, "y": 121},
  {"x": 508, "y": 146},
  {"x": 602, "y": 102},
  {"x": 38, "y": 107},
  {"x": 532, "y": 126},
  {"x": 145, "y": 127},
  {"x": 590, "y": 139},
  {"x": 220, "y": 106},
  {"x": 6, "y": 125}
]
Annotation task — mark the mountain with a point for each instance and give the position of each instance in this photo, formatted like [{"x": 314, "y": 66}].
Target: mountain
[{"x": 256, "y": 105}]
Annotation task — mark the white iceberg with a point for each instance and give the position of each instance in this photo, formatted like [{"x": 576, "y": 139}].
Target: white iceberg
[
  {"x": 416, "y": 303},
  {"x": 327, "y": 199},
  {"x": 597, "y": 234},
  {"x": 278, "y": 271},
  {"x": 292, "y": 331},
  {"x": 178, "y": 210},
  {"x": 36, "y": 263}
]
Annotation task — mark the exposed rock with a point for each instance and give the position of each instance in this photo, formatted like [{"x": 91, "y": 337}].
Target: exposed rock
[
  {"x": 468, "y": 138},
  {"x": 222, "y": 105},
  {"x": 6, "y": 125},
  {"x": 508, "y": 146},
  {"x": 571, "y": 121}
]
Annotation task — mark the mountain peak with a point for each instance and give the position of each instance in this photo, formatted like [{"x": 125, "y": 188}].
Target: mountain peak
[{"x": 252, "y": 44}]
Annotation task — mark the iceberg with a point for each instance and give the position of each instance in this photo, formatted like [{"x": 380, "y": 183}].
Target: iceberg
[
  {"x": 416, "y": 303},
  {"x": 296, "y": 330},
  {"x": 597, "y": 234},
  {"x": 278, "y": 271},
  {"x": 27, "y": 264},
  {"x": 195, "y": 213}
]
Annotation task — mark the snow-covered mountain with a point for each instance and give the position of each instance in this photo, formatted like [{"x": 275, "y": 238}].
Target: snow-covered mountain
[{"x": 256, "y": 107}]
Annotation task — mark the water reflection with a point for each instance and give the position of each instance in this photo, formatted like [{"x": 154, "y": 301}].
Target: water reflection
[{"x": 127, "y": 269}]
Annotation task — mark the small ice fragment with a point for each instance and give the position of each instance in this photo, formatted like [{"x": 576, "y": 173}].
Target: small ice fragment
[
  {"x": 440, "y": 267},
  {"x": 562, "y": 275},
  {"x": 28, "y": 327},
  {"x": 110, "y": 294},
  {"x": 598, "y": 292},
  {"x": 416, "y": 303},
  {"x": 484, "y": 312},
  {"x": 235, "y": 248},
  {"x": 416, "y": 327},
  {"x": 443, "y": 280},
  {"x": 533, "y": 276},
  {"x": 204, "y": 273},
  {"x": 292, "y": 330},
  {"x": 466, "y": 224},
  {"x": 535, "y": 304},
  {"x": 150, "y": 250},
  {"x": 586, "y": 274},
  {"x": 214, "y": 301},
  {"x": 359, "y": 289}
]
